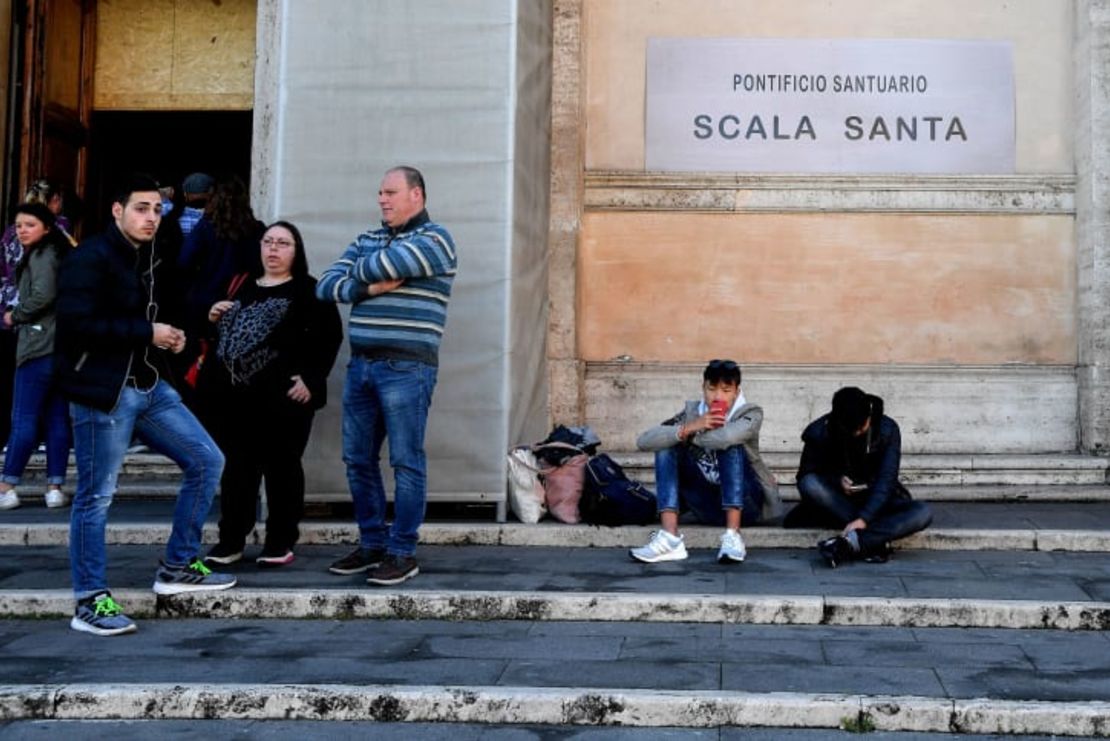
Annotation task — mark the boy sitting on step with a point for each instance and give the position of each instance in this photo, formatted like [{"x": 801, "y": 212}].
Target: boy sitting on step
[
  {"x": 848, "y": 480},
  {"x": 707, "y": 461}
]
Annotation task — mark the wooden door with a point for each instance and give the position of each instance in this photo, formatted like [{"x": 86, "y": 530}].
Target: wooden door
[{"x": 58, "y": 56}]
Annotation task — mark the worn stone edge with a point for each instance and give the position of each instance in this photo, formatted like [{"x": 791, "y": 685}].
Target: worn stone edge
[
  {"x": 411, "y": 604},
  {"x": 545, "y": 706}
]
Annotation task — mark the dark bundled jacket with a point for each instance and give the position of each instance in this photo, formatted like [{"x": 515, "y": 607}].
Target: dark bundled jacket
[
  {"x": 872, "y": 458},
  {"x": 109, "y": 295},
  {"x": 207, "y": 263}
]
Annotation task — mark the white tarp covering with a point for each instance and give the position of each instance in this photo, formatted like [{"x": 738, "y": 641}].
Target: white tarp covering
[{"x": 460, "y": 90}]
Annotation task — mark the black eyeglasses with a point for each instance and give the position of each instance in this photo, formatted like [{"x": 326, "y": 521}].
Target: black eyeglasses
[{"x": 728, "y": 365}]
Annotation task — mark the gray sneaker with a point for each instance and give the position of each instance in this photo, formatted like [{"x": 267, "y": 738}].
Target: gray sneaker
[
  {"x": 196, "y": 577},
  {"x": 101, "y": 615}
]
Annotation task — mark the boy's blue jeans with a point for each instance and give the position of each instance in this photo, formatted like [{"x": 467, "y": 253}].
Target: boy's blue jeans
[
  {"x": 100, "y": 441},
  {"x": 679, "y": 481}
]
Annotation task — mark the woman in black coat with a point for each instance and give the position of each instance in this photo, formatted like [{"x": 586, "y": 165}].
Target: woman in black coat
[{"x": 261, "y": 387}]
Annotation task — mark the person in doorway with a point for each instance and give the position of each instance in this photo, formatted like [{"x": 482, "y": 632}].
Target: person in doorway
[
  {"x": 707, "y": 460},
  {"x": 111, "y": 360},
  {"x": 196, "y": 190},
  {"x": 398, "y": 280},
  {"x": 223, "y": 244},
  {"x": 848, "y": 480},
  {"x": 276, "y": 346},
  {"x": 38, "y": 405}
]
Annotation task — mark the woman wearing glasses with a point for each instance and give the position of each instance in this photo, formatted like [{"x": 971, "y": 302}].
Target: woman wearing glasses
[{"x": 275, "y": 346}]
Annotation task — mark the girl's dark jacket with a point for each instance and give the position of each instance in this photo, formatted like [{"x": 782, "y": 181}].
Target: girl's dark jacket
[
  {"x": 109, "y": 295},
  {"x": 872, "y": 458}
]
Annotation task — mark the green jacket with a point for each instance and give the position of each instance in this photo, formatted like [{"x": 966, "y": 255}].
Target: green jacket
[{"x": 33, "y": 316}]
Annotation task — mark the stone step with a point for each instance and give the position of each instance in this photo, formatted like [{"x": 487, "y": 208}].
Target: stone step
[
  {"x": 280, "y": 729},
  {"x": 958, "y": 477},
  {"x": 363, "y": 603},
  {"x": 1025, "y": 526},
  {"x": 960, "y": 641},
  {"x": 938, "y": 470},
  {"x": 550, "y": 706},
  {"x": 586, "y": 536},
  {"x": 1068, "y": 591}
]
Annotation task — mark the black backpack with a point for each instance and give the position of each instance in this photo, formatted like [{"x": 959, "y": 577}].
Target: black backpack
[
  {"x": 609, "y": 497},
  {"x": 571, "y": 441}
]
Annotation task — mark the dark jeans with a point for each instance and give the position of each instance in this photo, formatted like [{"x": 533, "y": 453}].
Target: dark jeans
[
  {"x": 387, "y": 398},
  {"x": 262, "y": 440},
  {"x": 7, "y": 380},
  {"x": 37, "y": 404},
  {"x": 825, "y": 505},
  {"x": 679, "y": 481}
]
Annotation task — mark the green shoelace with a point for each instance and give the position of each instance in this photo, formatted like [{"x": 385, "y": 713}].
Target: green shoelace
[
  {"x": 107, "y": 607},
  {"x": 200, "y": 568}
]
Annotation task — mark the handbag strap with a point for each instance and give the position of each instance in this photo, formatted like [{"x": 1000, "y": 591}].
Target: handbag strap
[
  {"x": 565, "y": 446},
  {"x": 236, "y": 283}
]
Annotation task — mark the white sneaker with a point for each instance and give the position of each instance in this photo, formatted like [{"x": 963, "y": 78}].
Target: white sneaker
[
  {"x": 662, "y": 547},
  {"x": 55, "y": 498},
  {"x": 732, "y": 548},
  {"x": 9, "y": 499}
]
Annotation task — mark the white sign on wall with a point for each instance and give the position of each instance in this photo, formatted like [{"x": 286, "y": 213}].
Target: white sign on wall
[{"x": 840, "y": 105}]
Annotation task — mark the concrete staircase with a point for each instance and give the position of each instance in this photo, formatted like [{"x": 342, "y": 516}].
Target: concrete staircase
[{"x": 994, "y": 621}]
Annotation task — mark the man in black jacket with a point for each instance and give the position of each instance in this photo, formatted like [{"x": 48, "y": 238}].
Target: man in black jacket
[
  {"x": 848, "y": 479},
  {"x": 111, "y": 348}
]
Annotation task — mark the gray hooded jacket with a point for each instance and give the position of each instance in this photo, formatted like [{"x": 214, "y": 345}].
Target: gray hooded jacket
[{"x": 742, "y": 428}]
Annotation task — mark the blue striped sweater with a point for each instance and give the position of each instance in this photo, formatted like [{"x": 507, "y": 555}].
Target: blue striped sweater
[{"x": 405, "y": 323}]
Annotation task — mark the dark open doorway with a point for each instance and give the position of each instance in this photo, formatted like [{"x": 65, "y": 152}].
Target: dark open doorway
[{"x": 166, "y": 144}]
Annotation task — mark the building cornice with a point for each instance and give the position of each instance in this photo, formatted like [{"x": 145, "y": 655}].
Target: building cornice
[{"x": 778, "y": 193}]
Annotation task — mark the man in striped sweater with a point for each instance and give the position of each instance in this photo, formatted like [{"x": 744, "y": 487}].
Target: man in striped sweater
[{"x": 398, "y": 281}]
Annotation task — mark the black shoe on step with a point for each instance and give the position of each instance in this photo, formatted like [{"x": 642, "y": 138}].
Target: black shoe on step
[
  {"x": 835, "y": 550},
  {"x": 881, "y": 554}
]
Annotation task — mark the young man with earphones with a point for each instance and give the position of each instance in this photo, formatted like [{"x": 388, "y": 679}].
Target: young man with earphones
[{"x": 112, "y": 346}]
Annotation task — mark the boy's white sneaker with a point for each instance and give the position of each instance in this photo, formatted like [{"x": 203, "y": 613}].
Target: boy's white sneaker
[
  {"x": 662, "y": 547},
  {"x": 55, "y": 498},
  {"x": 9, "y": 499},
  {"x": 732, "y": 548}
]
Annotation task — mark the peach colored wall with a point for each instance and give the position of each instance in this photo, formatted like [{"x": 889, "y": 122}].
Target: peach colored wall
[
  {"x": 616, "y": 31},
  {"x": 827, "y": 288}
]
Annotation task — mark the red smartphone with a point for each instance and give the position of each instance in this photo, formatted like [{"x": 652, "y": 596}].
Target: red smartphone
[{"x": 719, "y": 407}]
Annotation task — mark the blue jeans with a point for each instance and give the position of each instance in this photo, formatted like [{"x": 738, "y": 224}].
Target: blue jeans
[
  {"x": 387, "y": 399},
  {"x": 34, "y": 402},
  {"x": 159, "y": 419},
  {"x": 677, "y": 477},
  {"x": 831, "y": 508}
]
